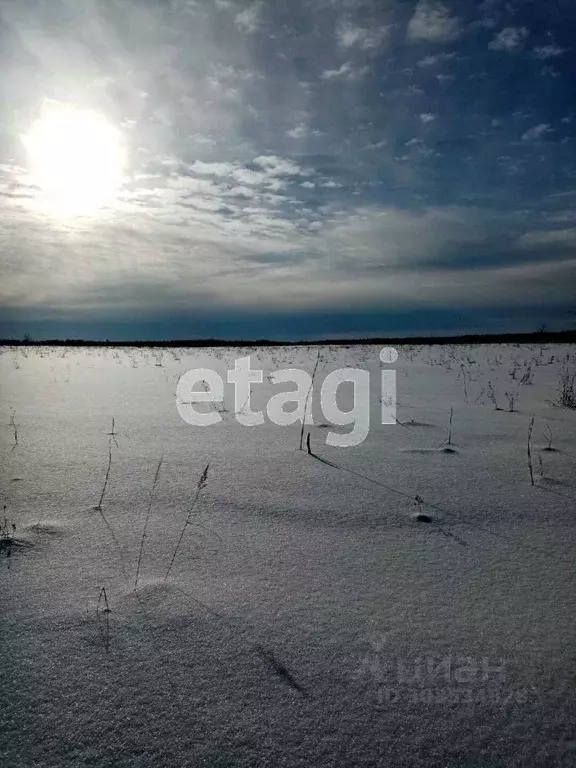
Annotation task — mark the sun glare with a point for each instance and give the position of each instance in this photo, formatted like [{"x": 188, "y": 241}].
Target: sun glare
[{"x": 76, "y": 157}]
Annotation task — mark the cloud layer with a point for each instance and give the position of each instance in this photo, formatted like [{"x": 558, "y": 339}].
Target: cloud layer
[{"x": 297, "y": 157}]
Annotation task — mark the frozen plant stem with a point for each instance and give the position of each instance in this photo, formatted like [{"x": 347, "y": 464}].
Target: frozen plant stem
[
  {"x": 202, "y": 483},
  {"x": 14, "y": 429},
  {"x": 567, "y": 389},
  {"x": 492, "y": 395},
  {"x": 512, "y": 397},
  {"x": 112, "y": 433},
  {"x": 463, "y": 370},
  {"x": 448, "y": 440},
  {"x": 308, "y": 400},
  {"x": 99, "y": 505},
  {"x": 529, "y": 450},
  {"x": 103, "y": 598},
  {"x": 145, "y": 529}
]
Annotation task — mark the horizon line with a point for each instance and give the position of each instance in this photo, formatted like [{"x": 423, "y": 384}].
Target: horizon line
[{"x": 486, "y": 338}]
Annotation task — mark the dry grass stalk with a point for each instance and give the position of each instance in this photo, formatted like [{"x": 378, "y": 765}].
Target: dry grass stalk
[{"x": 201, "y": 484}]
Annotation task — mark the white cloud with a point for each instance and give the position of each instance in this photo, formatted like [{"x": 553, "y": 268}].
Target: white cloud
[
  {"x": 548, "y": 51},
  {"x": 247, "y": 176},
  {"x": 223, "y": 204},
  {"x": 439, "y": 58},
  {"x": 278, "y": 166},
  {"x": 299, "y": 131},
  {"x": 345, "y": 72},
  {"x": 418, "y": 149},
  {"x": 560, "y": 237},
  {"x": 383, "y": 248},
  {"x": 275, "y": 185},
  {"x": 242, "y": 191},
  {"x": 432, "y": 22},
  {"x": 377, "y": 144},
  {"x": 249, "y": 19},
  {"x": 221, "y": 72},
  {"x": 349, "y": 35},
  {"x": 212, "y": 169},
  {"x": 537, "y": 132},
  {"x": 509, "y": 39}
]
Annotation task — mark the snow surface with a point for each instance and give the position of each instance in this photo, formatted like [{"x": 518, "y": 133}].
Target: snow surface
[{"x": 310, "y": 618}]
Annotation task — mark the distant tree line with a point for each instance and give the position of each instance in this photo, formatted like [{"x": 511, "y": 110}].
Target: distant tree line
[{"x": 540, "y": 336}]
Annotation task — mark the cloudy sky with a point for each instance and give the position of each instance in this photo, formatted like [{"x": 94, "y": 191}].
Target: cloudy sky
[{"x": 294, "y": 168}]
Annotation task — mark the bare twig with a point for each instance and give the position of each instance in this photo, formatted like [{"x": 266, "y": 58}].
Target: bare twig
[
  {"x": 98, "y": 508},
  {"x": 491, "y": 392},
  {"x": 448, "y": 440},
  {"x": 512, "y": 398},
  {"x": 112, "y": 433},
  {"x": 14, "y": 429},
  {"x": 103, "y": 598},
  {"x": 201, "y": 484},
  {"x": 99, "y": 505},
  {"x": 567, "y": 389},
  {"x": 145, "y": 529},
  {"x": 529, "y": 450},
  {"x": 463, "y": 371},
  {"x": 308, "y": 400}
]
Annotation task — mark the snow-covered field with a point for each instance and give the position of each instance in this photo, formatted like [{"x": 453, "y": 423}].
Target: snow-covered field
[{"x": 309, "y": 617}]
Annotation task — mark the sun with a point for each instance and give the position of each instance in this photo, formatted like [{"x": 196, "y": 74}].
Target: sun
[{"x": 76, "y": 157}]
